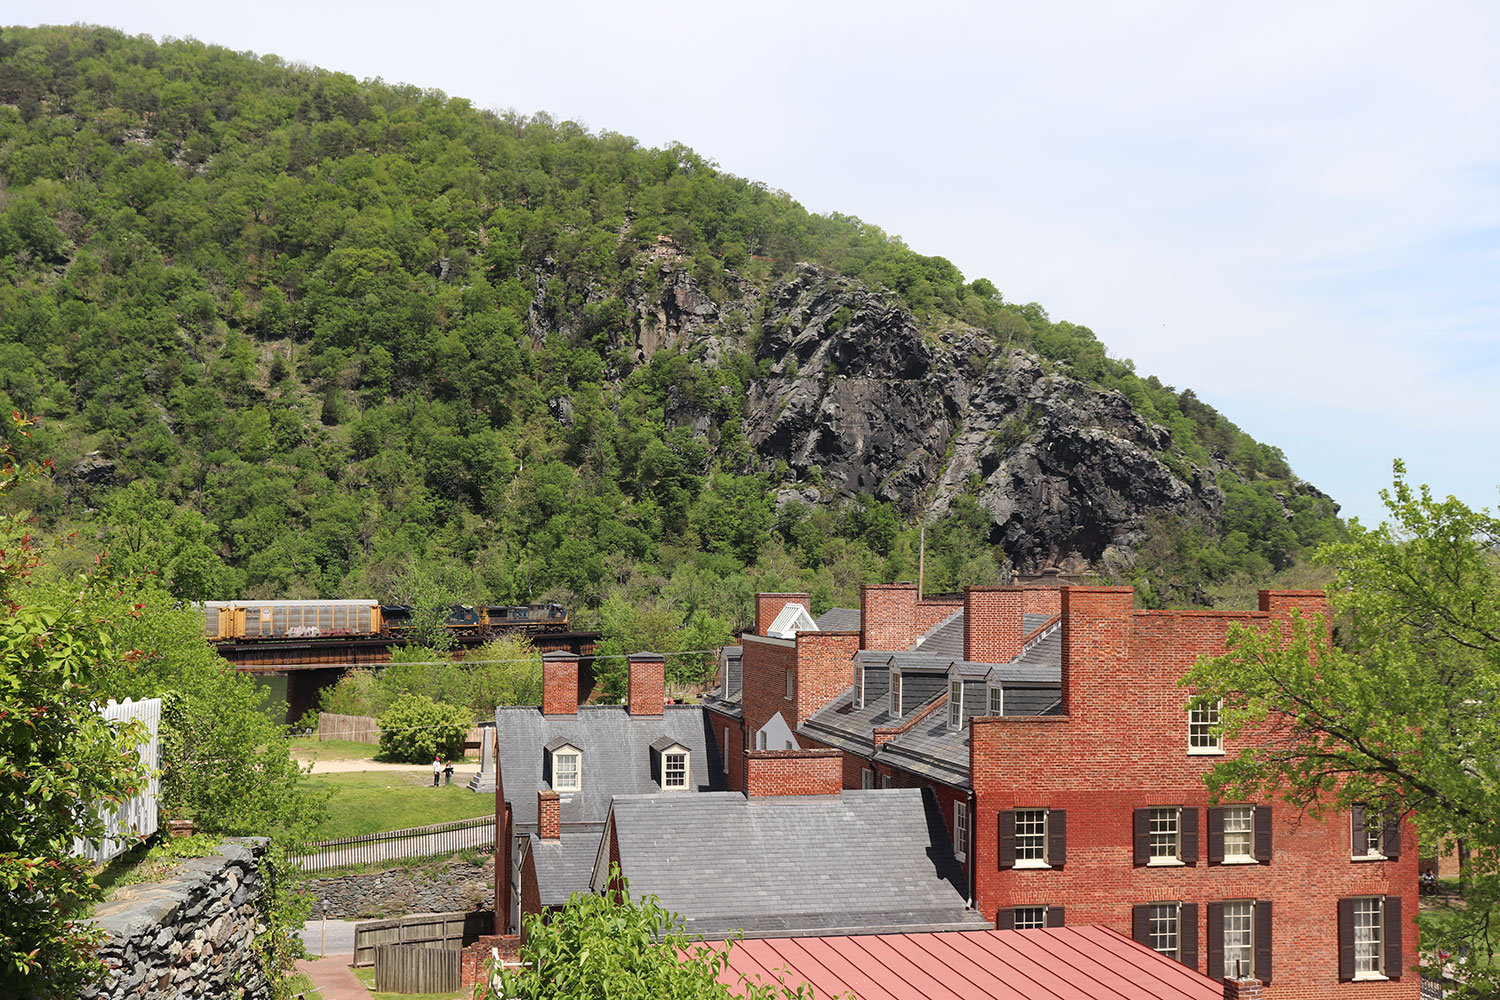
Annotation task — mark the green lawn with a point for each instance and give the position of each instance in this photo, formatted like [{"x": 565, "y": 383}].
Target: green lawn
[
  {"x": 373, "y": 801},
  {"x": 367, "y": 976},
  {"x": 312, "y": 748}
]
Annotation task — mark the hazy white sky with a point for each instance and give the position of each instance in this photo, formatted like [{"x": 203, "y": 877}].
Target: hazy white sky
[{"x": 1290, "y": 207}]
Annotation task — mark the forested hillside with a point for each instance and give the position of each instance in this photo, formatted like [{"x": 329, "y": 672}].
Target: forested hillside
[{"x": 291, "y": 334}]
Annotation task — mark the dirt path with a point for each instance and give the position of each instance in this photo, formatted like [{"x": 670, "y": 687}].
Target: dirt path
[
  {"x": 333, "y": 978},
  {"x": 461, "y": 772}
]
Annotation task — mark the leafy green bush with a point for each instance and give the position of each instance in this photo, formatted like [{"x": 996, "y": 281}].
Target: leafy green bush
[{"x": 415, "y": 729}]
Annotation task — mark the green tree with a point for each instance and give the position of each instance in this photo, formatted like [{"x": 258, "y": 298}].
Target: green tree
[
  {"x": 415, "y": 729},
  {"x": 1401, "y": 712}
]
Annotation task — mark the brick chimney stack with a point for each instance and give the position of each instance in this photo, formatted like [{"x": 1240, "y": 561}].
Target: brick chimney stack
[
  {"x": 1242, "y": 989},
  {"x": 647, "y": 684},
  {"x": 992, "y": 623},
  {"x": 559, "y": 683},
  {"x": 768, "y": 606},
  {"x": 888, "y": 615},
  {"x": 548, "y": 815},
  {"x": 793, "y": 772}
]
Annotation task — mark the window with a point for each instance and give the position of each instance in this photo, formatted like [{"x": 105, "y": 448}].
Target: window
[
  {"x": 1030, "y": 917},
  {"x": 997, "y": 701},
  {"x": 885, "y": 781},
  {"x": 760, "y": 740},
  {"x": 674, "y": 770},
  {"x": 567, "y": 766},
  {"x": 866, "y": 778},
  {"x": 895, "y": 695},
  {"x": 1239, "y": 939},
  {"x": 726, "y": 750},
  {"x": 1370, "y": 938},
  {"x": 1032, "y": 838},
  {"x": 1239, "y": 833},
  {"x": 961, "y": 830},
  {"x": 1166, "y": 835},
  {"x": 859, "y": 686},
  {"x": 791, "y": 682},
  {"x": 1375, "y": 835},
  {"x": 1170, "y": 928},
  {"x": 955, "y": 704},
  {"x": 1202, "y": 722}
]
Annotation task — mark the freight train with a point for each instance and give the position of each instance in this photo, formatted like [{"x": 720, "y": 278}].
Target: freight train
[{"x": 238, "y": 621}]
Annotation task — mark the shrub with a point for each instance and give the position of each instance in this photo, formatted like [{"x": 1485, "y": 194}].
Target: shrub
[{"x": 415, "y": 728}]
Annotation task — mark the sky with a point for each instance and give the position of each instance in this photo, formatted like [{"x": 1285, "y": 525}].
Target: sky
[{"x": 1290, "y": 208}]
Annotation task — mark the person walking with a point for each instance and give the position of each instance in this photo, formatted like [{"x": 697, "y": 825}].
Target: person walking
[{"x": 437, "y": 769}]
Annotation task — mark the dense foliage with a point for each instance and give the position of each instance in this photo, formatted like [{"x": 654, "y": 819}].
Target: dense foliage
[
  {"x": 341, "y": 338},
  {"x": 1399, "y": 712},
  {"x": 415, "y": 729}
]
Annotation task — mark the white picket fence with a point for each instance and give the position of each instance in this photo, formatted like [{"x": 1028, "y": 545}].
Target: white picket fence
[{"x": 136, "y": 817}]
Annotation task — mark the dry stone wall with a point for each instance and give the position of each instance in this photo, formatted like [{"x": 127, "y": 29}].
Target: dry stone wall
[
  {"x": 456, "y": 886},
  {"x": 189, "y": 935}
]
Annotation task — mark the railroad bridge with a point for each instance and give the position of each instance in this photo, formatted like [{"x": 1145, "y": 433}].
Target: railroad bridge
[{"x": 310, "y": 664}]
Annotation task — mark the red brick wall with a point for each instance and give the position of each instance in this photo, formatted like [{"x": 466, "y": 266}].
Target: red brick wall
[
  {"x": 647, "y": 685},
  {"x": 763, "y": 682},
  {"x": 548, "y": 815},
  {"x": 1041, "y": 600},
  {"x": 927, "y": 615},
  {"x": 768, "y": 606},
  {"x": 734, "y": 750},
  {"x": 560, "y": 685},
  {"x": 1124, "y": 746},
  {"x": 531, "y": 893},
  {"x": 794, "y": 772},
  {"x": 887, "y": 616},
  {"x": 992, "y": 623},
  {"x": 474, "y": 966},
  {"x": 825, "y": 670}
]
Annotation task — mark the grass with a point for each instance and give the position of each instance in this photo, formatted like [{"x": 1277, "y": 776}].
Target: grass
[
  {"x": 142, "y": 864},
  {"x": 367, "y": 976},
  {"x": 311, "y": 748},
  {"x": 1446, "y": 914},
  {"x": 300, "y": 982},
  {"x": 432, "y": 866},
  {"x": 373, "y": 801}
]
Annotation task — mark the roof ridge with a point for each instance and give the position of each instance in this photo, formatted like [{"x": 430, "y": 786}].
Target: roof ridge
[{"x": 915, "y": 646}]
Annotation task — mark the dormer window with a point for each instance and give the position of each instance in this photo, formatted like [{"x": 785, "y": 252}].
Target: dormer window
[
  {"x": 674, "y": 770},
  {"x": 895, "y": 694},
  {"x": 669, "y": 764},
  {"x": 565, "y": 766},
  {"x": 859, "y": 686},
  {"x": 955, "y": 704},
  {"x": 997, "y": 699}
]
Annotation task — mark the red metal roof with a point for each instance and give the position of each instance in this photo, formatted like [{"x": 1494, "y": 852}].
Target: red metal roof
[{"x": 1066, "y": 963}]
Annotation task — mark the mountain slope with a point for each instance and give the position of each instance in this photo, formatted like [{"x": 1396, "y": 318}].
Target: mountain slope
[{"x": 344, "y": 335}]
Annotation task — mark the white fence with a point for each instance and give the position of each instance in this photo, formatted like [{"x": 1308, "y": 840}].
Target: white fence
[{"x": 136, "y": 817}]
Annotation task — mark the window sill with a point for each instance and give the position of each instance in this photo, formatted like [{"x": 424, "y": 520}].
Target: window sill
[
  {"x": 1031, "y": 864},
  {"x": 1166, "y": 863},
  {"x": 960, "y": 858},
  {"x": 1369, "y": 977},
  {"x": 1205, "y": 751},
  {"x": 1370, "y": 857},
  {"x": 1239, "y": 861}
]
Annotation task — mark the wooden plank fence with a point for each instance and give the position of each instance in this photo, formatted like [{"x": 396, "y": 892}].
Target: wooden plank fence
[
  {"x": 403, "y": 968},
  {"x": 366, "y": 729},
  {"x": 413, "y": 842},
  {"x": 429, "y": 930}
]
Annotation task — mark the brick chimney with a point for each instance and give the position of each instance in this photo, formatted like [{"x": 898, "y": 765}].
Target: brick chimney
[
  {"x": 1095, "y": 643},
  {"x": 1279, "y": 603},
  {"x": 992, "y": 623},
  {"x": 559, "y": 683},
  {"x": 548, "y": 815},
  {"x": 768, "y": 606},
  {"x": 1242, "y": 989},
  {"x": 647, "y": 685},
  {"x": 793, "y": 772},
  {"x": 825, "y": 670},
  {"x": 888, "y": 616}
]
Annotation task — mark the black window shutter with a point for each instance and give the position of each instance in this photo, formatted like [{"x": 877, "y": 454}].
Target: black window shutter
[
  {"x": 1392, "y": 931},
  {"x": 1215, "y": 856},
  {"x": 1140, "y": 924},
  {"x": 1357, "y": 845},
  {"x": 1262, "y": 835},
  {"x": 1346, "y": 940},
  {"x": 1188, "y": 935},
  {"x": 1216, "y": 941},
  {"x": 1006, "y": 855},
  {"x": 1142, "y": 828},
  {"x": 1006, "y": 921},
  {"x": 1390, "y": 837},
  {"x": 1263, "y": 927},
  {"x": 1054, "y": 916},
  {"x": 1057, "y": 837},
  {"x": 1189, "y": 835}
]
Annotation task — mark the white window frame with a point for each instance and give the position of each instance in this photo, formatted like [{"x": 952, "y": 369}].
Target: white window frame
[
  {"x": 1169, "y": 917},
  {"x": 1247, "y": 856},
  {"x": 1035, "y": 919},
  {"x": 1374, "y": 906},
  {"x": 726, "y": 750},
  {"x": 1042, "y": 858},
  {"x": 760, "y": 740},
  {"x": 859, "y": 686},
  {"x": 1241, "y": 924},
  {"x": 866, "y": 778},
  {"x": 791, "y": 684},
  {"x": 955, "y": 704},
  {"x": 666, "y": 766},
  {"x": 1160, "y": 815},
  {"x": 885, "y": 781},
  {"x": 895, "y": 694},
  {"x": 961, "y": 830},
  {"x": 997, "y": 692},
  {"x": 557, "y": 758},
  {"x": 1202, "y": 740}
]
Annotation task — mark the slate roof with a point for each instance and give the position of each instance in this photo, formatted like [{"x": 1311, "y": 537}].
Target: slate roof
[
  {"x": 932, "y": 750},
  {"x": 859, "y": 862},
  {"x": 839, "y": 620},
  {"x": 616, "y": 749},
  {"x": 947, "y": 638},
  {"x": 564, "y": 865}
]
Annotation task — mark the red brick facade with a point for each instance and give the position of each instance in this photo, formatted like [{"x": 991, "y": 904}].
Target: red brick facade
[
  {"x": 729, "y": 733},
  {"x": 825, "y": 670},
  {"x": 474, "y": 966},
  {"x": 559, "y": 684},
  {"x": 768, "y": 606},
  {"x": 794, "y": 772},
  {"x": 765, "y": 664},
  {"x": 548, "y": 815},
  {"x": 647, "y": 684},
  {"x": 1123, "y": 746},
  {"x": 992, "y": 623}
]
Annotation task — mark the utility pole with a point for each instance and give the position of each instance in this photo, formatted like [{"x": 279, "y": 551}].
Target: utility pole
[{"x": 921, "y": 553}]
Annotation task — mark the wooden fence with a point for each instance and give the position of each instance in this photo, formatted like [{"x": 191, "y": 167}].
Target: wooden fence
[
  {"x": 429, "y": 930},
  {"x": 413, "y": 842},
  {"x": 365, "y": 729},
  {"x": 404, "y": 968}
]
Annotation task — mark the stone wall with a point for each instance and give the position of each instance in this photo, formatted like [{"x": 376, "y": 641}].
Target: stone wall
[
  {"x": 188, "y": 935},
  {"x": 397, "y": 891}
]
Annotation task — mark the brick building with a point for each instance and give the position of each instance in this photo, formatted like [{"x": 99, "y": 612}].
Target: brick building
[{"x": 1049, "y": 726}]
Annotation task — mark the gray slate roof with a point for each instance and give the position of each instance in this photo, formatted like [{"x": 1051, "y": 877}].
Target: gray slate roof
[
  {"x": 947, "y": 638},
  {"x": 616, "y": 755},
  {"x": 564, "y": 865},
  {"x": 839, "y": 620},
  {"x": 860, "y": 862}
]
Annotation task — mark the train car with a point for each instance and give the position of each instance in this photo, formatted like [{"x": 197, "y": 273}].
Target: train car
[
  {"x": 306, "y": 619},
  {"x": 256, "y": 620},
  {"x": 219, "y": 620},
  {"x": 551, "y": 617},
  {"x": 463, "y": 619}
]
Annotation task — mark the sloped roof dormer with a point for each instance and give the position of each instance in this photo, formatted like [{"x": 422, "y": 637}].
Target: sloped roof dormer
[{"x": 794, "y": 618}]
